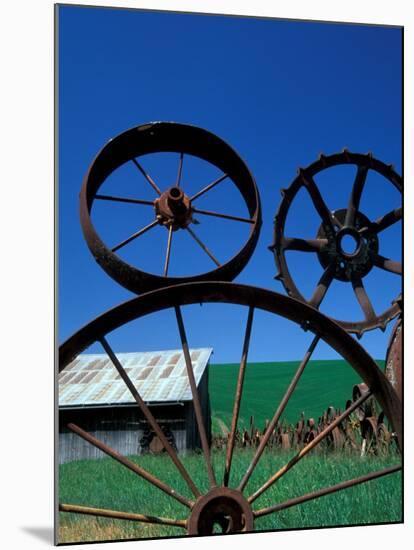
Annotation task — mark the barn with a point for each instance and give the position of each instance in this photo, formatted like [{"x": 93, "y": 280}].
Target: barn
[{"x": 93, "y": 396}]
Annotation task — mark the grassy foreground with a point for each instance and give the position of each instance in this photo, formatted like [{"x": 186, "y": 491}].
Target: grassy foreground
[{"x": 106, "y": 484}]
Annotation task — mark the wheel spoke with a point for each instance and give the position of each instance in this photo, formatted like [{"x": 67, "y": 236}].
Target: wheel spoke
[
  {"x": 224, "y": 216},
  {"x": 387, "y": 264},
  {"x": 304, "y": 245},
  {"x": 130, "y": 465},
  {"x": 363, "y": 299},
  {"x": 326, "y": 491},
  {"x": 385, "y": 221},
  {"x": 135, "y": 235},
  {"x": 147, "y": 177},
  {"x": 278, "y": 413},
  {"x": 167, "y": 255},
  {"x": 180, "y": 169},
  {"x": 336, "y": 222},
  {"x": 303, "y": 452},
  {"x": 203, "y": 246},
  {"x": 123, "y": 199},
  {"x": 355, "y": 197},
  {"x": 317, "y": 200},
  {"x": 322, "y": 287},
  {"x": 238, "y": 395},
  {"x": 208, "y": 187},
  {"x": 115, "y": 514},
  {"x": 149, "y": 417},
  {"x": 196, "y": 397}
]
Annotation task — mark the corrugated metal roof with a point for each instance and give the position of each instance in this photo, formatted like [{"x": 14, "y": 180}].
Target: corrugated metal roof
[{"x": 92, "y": 379}]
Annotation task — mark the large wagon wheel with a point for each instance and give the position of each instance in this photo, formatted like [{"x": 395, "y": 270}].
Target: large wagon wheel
[
  {"x": 349, "y": 262},
  {"x": 173, "y": 208},
  {"x": 221, "y": 506},
  {"x": 394, "y": 357}
]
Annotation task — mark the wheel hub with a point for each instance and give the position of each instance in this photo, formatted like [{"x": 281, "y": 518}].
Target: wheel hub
[
  {"x": 348, "y": 242},
  {"x": 348, "y": 250},
  {"x": 221, "y": 510},
  {"x": 173, "y": 207}
]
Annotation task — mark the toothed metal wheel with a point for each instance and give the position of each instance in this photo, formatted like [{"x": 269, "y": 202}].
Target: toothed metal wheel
[
  {"x": 173, "y": 208},
  {"x": 337, "y": 260}
]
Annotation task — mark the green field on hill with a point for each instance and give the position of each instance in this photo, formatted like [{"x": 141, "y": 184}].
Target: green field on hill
[{"x": 323, "y": 384}]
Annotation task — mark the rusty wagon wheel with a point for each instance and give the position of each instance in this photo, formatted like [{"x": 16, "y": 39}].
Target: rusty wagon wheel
[
  {"x": 394, "y": 357},
  {"x": 173, "y": 208},
  {"x": 221, "y": 506},
  {"x": 348, "y": 262}
]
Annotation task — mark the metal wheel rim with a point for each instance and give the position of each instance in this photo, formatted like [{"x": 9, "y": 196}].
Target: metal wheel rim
[
  {"x": 283, "y": 273},
  {"x": 257, "y": 298},
  {"x": 166, "y": 137}
]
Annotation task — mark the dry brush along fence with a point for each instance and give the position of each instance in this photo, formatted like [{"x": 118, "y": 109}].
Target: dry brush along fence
[{"x": 366, "y": 431}]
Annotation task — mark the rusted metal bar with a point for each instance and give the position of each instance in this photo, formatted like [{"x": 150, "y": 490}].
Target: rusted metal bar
[
  {"x": 135, "y": 235},
  {"x": 336, "y": 221},
  {"x": 385, "y": 221},
  {"x": 387, "y": 264},
  {"x": 317, "y": 199},
  {"x": 123, "y": 199},
  {"x": 167, "y": 255},
  {"x": 147, "y": 177},
  {"x": 363, "y": 299},
  {"x": 303, "y": 245},
  {"x": 196, "y": 398},
  {"x": 203, "y": 246},
  {"x": 238, "y": 396},
  {"x": 322, "y": 287},
  {"x": 303, "y": 452},
  {"x": 326, "y": 491},
  {"x": 278, "y": 413},
  {"x": 180, "y": 170},
  {"x": 362, "y": 412},
  {"x": 394, "y": 358},
  {"x": 149, "y": 416},
  {"x": 208, "y": 187},
  {"x": 115, "y": 514},
  {"x": 224, "y": 216},
  {"x": 130, "y": 465},
  {"x": 356, "y": 193}
]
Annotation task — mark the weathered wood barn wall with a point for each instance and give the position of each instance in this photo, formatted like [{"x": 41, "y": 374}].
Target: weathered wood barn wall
[{"x": 93, "y": 396}]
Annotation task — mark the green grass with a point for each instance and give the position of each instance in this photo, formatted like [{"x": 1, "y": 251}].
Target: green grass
[
  {"x": 323, "y": 383},
  {"x": 105, "y": 483}
]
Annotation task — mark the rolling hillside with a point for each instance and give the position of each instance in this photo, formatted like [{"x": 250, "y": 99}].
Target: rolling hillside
[{"x": 322, "y": 384}]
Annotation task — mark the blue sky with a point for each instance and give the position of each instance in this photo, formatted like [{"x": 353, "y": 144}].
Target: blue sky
[{"x": 280, "y": 93}]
